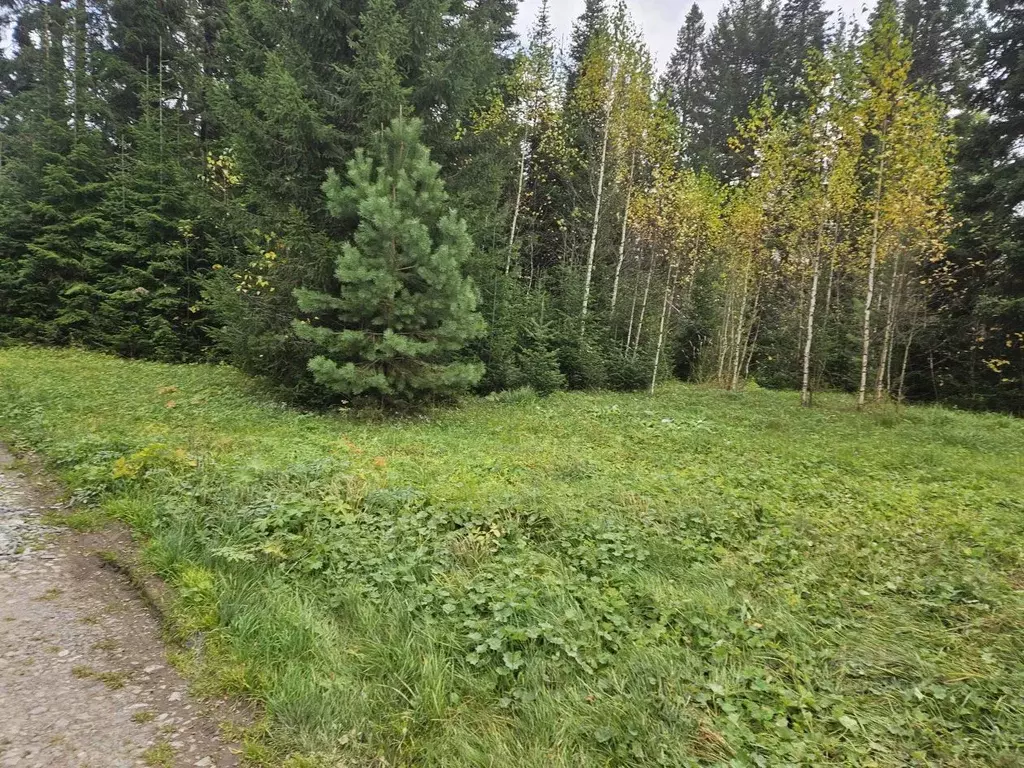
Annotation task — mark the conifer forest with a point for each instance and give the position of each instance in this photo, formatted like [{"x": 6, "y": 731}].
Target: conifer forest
[{"x": 400, "y": 200}]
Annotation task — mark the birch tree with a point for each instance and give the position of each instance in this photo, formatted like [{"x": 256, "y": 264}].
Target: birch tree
[
  {"x": 826, "y": 143},
  {"x": 747, "y": 254},
  {"x": 634, "y": 125},
  {"x": 885, "y": 66},
  {"x": 610, "y": 85},
  {"x": 535, "y": 89},
  {"x": 917, "y": 223},
  {"x": 679, "y": 219}
]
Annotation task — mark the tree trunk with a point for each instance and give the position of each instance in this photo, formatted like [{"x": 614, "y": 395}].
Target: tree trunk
[
  {"x": 533, "y": 265},
  {"x": 749, "y": 352},
  {"x": 643, "y": 310},
  {"x": 872, "y": 266},
  {"x": 826, "y": 316},
  {"x": 746, "y": 343},
  {"x": 515, "y": 211},
  {"x": 661, "y": 328},
  {"x": 622, "y": 238},
  {"x": 906, "y": 356},
  {"x": 890, "y": 319},
  {"x": 79, "y": 82},
  {"x": 632, "y": 314},
  {"x": 800, "y": 316},
  {"x": 160, "y": 104},
  {"x": 52, "y": 40},
  {"x": 737, "y": 358},
  {"x": 805, "y": 388},
  {"x": 597, "y": 221},
  {"x": 723, "y": 350}
]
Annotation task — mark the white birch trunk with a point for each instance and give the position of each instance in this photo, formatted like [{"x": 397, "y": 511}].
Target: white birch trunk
[
  {"x": 515, "y": 211},
  {"x": 872, "y": 266},
  {"x": 737, "y": 357},
  {"x": 632, "y": 314},
  {"x": 805, "y": 388},
  {"x": 723, "y": 350},
  {"x": 749, "y": 344},
  {"x": 890, "y": 319},
  {"x": 906, "y": 356},
  {"x": 643, "y": 310},
  {"x": 661, "y": 328},
  {"x": 622, "y": 238},
  {"x": 588, "y": 277}
]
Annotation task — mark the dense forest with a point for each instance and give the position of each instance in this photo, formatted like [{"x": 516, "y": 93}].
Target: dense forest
[{"x": 400, "y": 199}]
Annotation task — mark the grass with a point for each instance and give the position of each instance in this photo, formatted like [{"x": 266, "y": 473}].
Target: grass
[
  {"x": 115, "y": 681},
  {"x": 696, "y": 578},
  {"x": 160, "y": 755}
]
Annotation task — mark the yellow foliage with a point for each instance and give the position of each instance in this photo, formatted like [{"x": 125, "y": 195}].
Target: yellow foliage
[{"x": 153, "y": 456}]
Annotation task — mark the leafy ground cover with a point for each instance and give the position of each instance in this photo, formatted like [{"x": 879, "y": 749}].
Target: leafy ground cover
[{"x": 696, "y": 578}]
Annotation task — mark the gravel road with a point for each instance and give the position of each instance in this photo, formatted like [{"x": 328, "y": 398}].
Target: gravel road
[{"x": 84, "y": 677}]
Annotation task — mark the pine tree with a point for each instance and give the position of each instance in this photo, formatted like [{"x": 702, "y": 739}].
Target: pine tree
[{"x": 404, "y": 309}]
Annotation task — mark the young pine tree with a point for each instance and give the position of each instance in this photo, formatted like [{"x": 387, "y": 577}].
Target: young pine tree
[{"x": 404, "y": 309}]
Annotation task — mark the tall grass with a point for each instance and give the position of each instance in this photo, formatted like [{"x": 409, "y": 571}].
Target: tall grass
[{"x": 587, "y": 579}]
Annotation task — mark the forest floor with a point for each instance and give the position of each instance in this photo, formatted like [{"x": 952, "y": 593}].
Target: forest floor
[
  {"x": 694, "y": 578},
  {"x": 84, "y": 678}
]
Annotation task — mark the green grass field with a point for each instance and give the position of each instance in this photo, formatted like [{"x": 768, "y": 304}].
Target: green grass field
[{"x": 697, "y": 578}]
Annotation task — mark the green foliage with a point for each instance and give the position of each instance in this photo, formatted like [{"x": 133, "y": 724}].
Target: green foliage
[
  {"x": 979, "y": 362},
  {"x": 404, "y": 309},
  {"x": 161, "y": 170},
  {"x": 693, "y": 578},
  {"x": 379, "y": 44},
  {"x": 538, "y": 360},
  {"x": 581, "y": 360}
]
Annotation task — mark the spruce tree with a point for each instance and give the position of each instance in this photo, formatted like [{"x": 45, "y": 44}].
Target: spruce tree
[
  {"x": 148, "y": 261},
  {"x": 681, "y": 82},
  {"x": 591, "y": 23},
  {"x": 801, "y": 31},
  {"x": 538, "y": 359},
  {"x": 404, "y": 310},
  {"x": 983, "y": 365},
  {"x": 379, "y": 44},
  {"x": 945, "y": 37},
  {"x": 737, "y": 65}
]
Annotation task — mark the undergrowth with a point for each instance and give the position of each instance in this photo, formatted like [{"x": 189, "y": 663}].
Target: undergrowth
[{"x": 697, "y": 578}]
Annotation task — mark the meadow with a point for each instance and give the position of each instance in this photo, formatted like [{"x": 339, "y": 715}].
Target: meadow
[{"x": 588, "y": 579}]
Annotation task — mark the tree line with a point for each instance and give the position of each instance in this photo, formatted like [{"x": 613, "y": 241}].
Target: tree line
[{"x": 398, "y": 198}]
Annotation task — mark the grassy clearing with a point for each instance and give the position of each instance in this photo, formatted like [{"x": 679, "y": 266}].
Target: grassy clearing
[{"x": 589, "y": 579}]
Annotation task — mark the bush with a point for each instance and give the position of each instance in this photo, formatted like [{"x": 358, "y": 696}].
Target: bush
[
  {"x": 538, "y": 362},
  {"x": 580, "y": 359}
]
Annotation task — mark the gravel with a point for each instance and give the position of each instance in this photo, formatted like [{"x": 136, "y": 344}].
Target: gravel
[{"x": 84, "y": 677}]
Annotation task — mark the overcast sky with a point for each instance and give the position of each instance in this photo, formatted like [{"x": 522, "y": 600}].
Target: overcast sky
[{"x": 659, "y": 19}]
